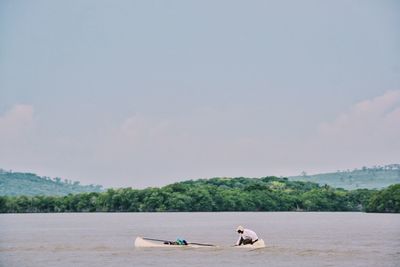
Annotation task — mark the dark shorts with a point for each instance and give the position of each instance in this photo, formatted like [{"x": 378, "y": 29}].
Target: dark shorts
[{"x": 246, "y": 241}]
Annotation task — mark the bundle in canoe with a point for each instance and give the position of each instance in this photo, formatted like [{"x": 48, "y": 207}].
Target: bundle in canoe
[{"x": 145, "y": 242}]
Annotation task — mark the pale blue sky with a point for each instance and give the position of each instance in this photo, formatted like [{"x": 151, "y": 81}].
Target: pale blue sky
[{"x": 143, "y": 93}]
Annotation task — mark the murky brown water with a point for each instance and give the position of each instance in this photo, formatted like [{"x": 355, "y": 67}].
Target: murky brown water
[{"x": 106, "y": 239}]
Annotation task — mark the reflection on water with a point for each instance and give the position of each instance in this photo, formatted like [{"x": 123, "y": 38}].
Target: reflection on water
[{"x": 106, "y": 239}]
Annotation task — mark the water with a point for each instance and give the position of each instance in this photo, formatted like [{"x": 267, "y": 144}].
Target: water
[{"x": 107, "y": 239}]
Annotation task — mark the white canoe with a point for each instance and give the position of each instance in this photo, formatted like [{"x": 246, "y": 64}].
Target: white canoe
[
  {"x": 259, "y": 244},
  {"x": 142, "y": 243}
]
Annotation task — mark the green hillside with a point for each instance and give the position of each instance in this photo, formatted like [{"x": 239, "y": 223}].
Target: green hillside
[
  {"x": 375, "y": 177},
  {"x": 29, "y": 184}
]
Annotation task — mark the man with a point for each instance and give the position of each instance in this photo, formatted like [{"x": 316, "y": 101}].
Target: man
[{"x": 246, "y": 236}]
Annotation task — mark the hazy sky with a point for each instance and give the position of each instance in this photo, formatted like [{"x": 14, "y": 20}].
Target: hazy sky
[{"x": 144, "y": 93}]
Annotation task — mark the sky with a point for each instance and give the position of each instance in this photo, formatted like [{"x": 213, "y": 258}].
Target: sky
[{"x": 146, "y": 93}]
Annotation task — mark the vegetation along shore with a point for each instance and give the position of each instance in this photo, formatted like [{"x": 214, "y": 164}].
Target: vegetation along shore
[{"x": 213, "y": 195}]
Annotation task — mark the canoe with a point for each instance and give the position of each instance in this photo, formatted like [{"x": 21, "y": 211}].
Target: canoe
[
  {"x": 141, "y": 242},
  {"x": 259, "y": 244}
]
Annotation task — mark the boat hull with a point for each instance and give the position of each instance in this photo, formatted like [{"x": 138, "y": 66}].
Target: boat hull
[
  {"x": 142, "y": 243},
  {"x": 259, "y": 244}
]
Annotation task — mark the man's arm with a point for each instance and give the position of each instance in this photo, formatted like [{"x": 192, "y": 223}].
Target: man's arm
[{"x": 239, "y": 241}]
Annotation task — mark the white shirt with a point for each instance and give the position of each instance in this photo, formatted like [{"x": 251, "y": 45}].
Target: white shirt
[{"x": 247, "y": 234}]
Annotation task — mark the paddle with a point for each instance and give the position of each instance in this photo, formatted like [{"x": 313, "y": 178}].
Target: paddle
[
  {"x": 201, "y": 244},
  {"x": 192, "y": 243}
]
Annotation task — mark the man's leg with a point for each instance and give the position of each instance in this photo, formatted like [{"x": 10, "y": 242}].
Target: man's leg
[{"x": 247, "y": 241}]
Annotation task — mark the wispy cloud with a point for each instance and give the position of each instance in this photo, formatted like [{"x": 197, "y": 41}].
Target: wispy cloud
[
  {"x": 366, "y": 134},
  {"x": 374, "y": 120},
  {"x": 16, "y": 121},
  {"x": 143, "y": 150}
]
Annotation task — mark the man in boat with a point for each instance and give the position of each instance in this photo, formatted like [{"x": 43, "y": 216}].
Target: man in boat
[{"x": 246, "y": 237}]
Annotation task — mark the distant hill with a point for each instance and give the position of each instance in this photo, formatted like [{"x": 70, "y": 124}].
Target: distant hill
[
  {"x": 375, "y": 177},
  {"x": 29, "y": 184}
]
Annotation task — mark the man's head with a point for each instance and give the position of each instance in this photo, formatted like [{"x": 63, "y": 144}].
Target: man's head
[{"x": 240, "y": 229}]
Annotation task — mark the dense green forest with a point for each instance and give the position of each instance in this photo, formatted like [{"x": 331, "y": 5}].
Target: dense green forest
[
  {"x": 217, "y": 194},
  {"x": 29, "y": 184},
  {"x": 386, "y": 200},
  {"x": 372, "y": 178}
]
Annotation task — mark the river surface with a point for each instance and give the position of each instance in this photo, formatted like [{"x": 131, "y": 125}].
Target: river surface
[{"x": 107, "y": 239}]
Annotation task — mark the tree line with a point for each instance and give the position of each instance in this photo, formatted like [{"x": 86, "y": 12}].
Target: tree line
[{"x": 217, "y": 194}]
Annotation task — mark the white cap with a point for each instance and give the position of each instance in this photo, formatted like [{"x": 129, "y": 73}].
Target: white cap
[{"x": 240, "y": 228}]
